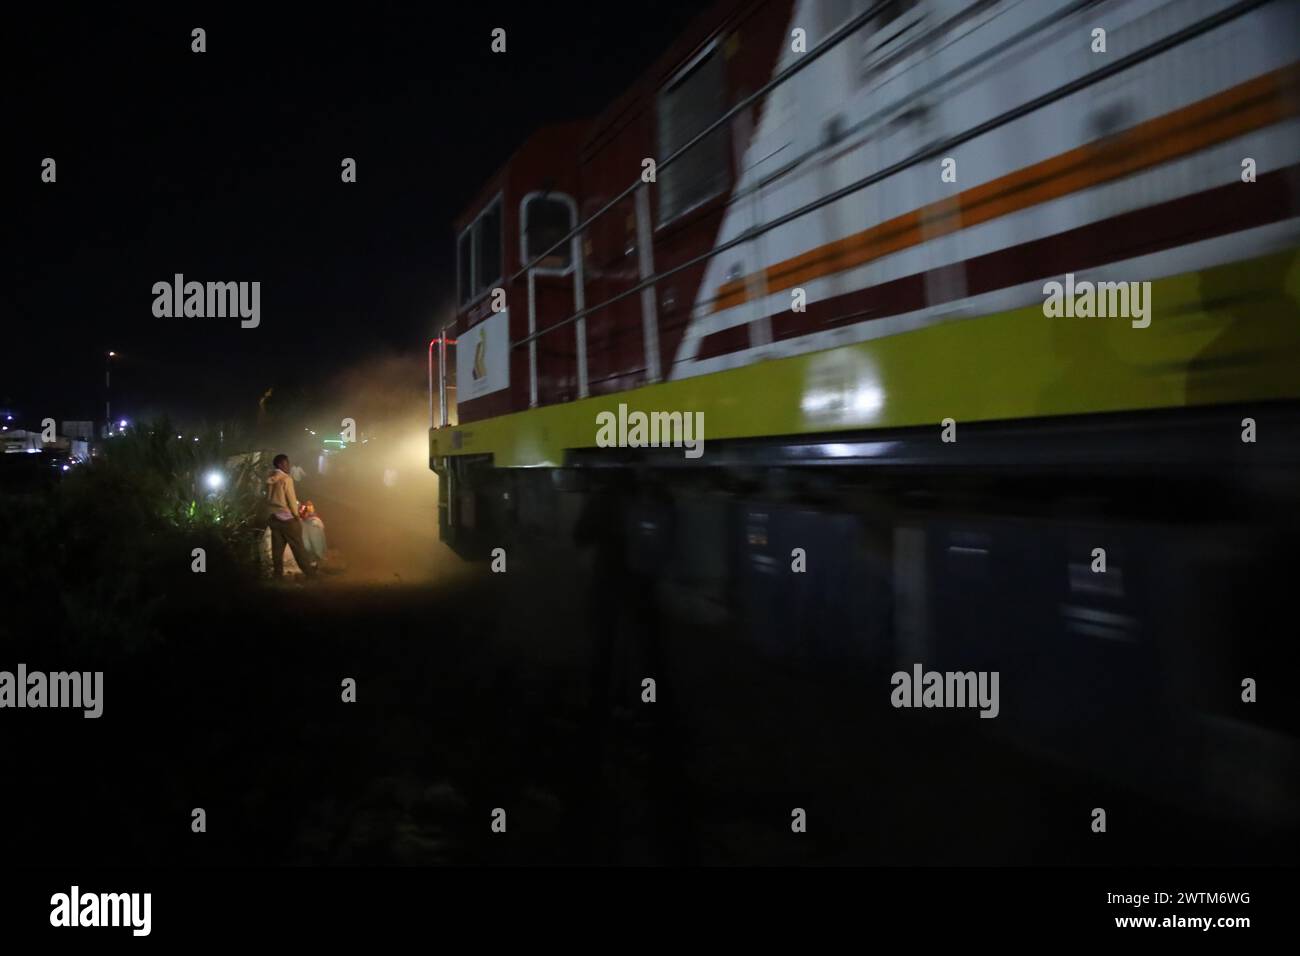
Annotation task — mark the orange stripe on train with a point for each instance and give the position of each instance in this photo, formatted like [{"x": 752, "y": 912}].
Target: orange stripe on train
[{"x": 1249, "y": 106}]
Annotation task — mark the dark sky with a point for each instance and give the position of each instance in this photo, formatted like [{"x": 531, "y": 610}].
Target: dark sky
[{"x": 225, "y": 166}]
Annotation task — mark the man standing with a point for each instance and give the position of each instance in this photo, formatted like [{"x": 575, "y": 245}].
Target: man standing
[{"x": 285, "y": 526}]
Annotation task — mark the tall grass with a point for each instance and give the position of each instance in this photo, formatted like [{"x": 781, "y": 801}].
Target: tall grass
[
  {"x": 169, "y": 473},
  {"x": 105, "y": 555}
]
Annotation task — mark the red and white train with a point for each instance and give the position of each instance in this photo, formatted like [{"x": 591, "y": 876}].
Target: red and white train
[{"x": 841, "y": 262}]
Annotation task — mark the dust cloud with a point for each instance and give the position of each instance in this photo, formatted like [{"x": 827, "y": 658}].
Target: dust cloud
[{"x": 376, "y": 494}]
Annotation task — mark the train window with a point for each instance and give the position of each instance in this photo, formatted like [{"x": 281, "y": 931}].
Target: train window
[
  {"x": 465, "y": 266},
  {"x": 478, "y": 254},
  {"x": 693, "y": 100},
  {"x": 547, "y": 220},
  {"x": 487, "y": 248}
]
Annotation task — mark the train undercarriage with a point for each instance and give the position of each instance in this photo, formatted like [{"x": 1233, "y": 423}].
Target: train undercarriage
[{"x": 1128, "y": 576}]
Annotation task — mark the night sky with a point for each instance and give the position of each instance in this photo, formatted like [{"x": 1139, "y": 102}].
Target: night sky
[{"x": 225, "y": 166}]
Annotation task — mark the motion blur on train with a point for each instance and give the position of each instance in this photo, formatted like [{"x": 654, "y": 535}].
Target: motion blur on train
[{"x": 826, "y": 232}]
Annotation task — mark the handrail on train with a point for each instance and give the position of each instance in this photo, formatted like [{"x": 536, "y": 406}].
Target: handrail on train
[
  {"x": 645, "y": 256},
  {"x": 928, "y": 152},
  {"x": 649, "y": 278},
  {"x": 805, "y": 60},
  {"x": 442, "y": 341}
]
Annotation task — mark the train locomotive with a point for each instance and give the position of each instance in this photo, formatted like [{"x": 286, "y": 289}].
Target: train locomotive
[{"x": 825, "y": 237}]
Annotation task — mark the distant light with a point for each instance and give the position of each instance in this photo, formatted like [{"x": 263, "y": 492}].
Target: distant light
[
  {"x": 196, "y": 437},
  {"x": 65, "y": 467},
  {"x": 215, "y": 480},
  {"x": 180, "y": 436},
  {"x": 112, "y": 354},
  {"x": 122, "y": 423}
]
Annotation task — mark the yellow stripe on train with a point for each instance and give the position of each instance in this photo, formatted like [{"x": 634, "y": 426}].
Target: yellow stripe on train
[{"x": 1223, "y": 335}]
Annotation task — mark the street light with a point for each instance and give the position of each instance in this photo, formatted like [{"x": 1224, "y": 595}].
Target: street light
[{"x": 108, "y": 391}]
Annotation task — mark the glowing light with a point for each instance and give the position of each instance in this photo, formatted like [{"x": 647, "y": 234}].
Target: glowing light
[
  {"x": 842, "y": 390},
  {"x": 215, "y": 480},
  {"x": 868, "y": 399}
]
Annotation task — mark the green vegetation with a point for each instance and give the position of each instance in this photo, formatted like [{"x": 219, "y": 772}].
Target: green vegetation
[{"x": 98, "y": 559}]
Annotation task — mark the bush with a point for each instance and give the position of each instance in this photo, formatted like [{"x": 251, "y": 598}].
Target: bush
[{"x": 103, "y": 556}]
